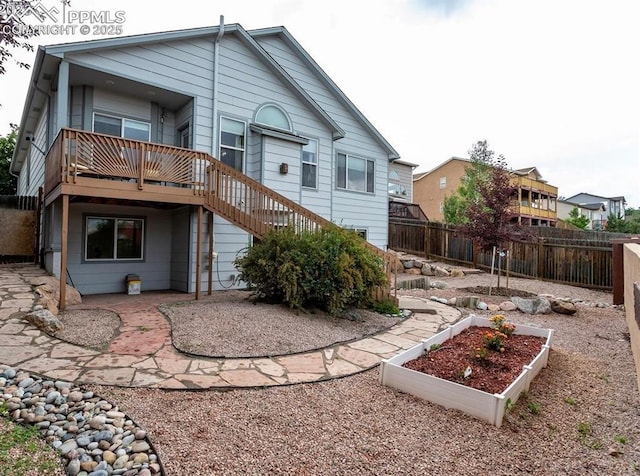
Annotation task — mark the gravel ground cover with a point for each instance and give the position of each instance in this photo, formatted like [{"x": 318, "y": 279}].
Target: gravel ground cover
[
  {"x": 229, "y": 324},
  {"x": 94, "y": 328},
  {"x": 581, "y": 415}
]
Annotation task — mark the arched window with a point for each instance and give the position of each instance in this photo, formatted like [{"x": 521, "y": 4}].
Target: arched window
[{"x": 271, "y": 115}]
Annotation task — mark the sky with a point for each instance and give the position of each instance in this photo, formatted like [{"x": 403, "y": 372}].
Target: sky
[{"x": 553, "y": 84}]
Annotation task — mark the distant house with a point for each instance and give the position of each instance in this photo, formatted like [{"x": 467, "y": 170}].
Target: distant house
[
  {"x": 613, "y": 206},
  {"x": 595, "y": 212},
  {"x": 164, "y": 155},
  {"x": 535, "y": 203}
]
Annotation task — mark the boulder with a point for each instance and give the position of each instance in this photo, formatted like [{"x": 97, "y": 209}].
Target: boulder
[
  {"x": 408, "y": 264},
  {"x": 45, "y": 321},
  {"x": 537, "y": 305},
  {"x": 563, "y": 307},
  {"x": 50, "y": 286},
  {"x": 493, "y": 307},
  {"x": 507, "y": 306},
  {"x": 457, "y": 273},
  {"x": 415, "y": 271},
  {"x": 427, "y": 270},
  {"x": 482, "y": 306},
  {"x": 439, "y": 285},
  {"x": 440, "y": 271}
]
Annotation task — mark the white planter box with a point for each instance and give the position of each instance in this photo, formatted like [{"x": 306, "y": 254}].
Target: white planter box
[{"x": 483, "y": 405}]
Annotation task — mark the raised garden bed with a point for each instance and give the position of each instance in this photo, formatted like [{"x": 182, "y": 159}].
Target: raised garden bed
[{"x": 483, "y": 405}]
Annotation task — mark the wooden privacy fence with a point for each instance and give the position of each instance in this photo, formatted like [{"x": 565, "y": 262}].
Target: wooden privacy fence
[
  {"x": 562, "y": 256},
  {"x": 18, "y": 223}
]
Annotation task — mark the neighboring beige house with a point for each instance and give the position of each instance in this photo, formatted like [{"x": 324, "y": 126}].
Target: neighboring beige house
[
  {"x": 535, "y": 202},
  {"x": 595, "y": 212},
  {"x": 431, "y": 188}
]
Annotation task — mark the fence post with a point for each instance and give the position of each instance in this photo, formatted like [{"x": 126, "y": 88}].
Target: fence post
[
  {"x": 427, "y": 231},
  {"x": 540, "y": 270}
]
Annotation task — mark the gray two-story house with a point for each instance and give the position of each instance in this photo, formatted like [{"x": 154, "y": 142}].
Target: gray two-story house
[{"x": 164, "y": 155}]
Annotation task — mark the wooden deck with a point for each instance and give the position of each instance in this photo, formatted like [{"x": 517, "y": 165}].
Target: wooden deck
[{"x": 88, "y": 164}]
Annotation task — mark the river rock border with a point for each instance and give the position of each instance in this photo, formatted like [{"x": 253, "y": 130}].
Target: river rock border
[{"x": 92, "y": 435}]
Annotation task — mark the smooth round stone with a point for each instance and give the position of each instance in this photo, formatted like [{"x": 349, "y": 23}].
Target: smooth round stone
[
  {"x": 52, "y": 396},
  {"x": 19, "y": 392},
  {"x": 40, "y": 411},
  {"x": 73, "y": 468},
  {"x": 144, "y": 472},
  {"x": 74, "y": 396},
  {"x": 97, "y": 422},
  {"x": 141, "y": 458},
  {"x": 67, "y": 436},
  {"x": 43, "y": 424},
  {"x": 115, "y": 414},
  {"x": 88, "y": 466},
  {"x": 104, "y": 444},
  {"x": 120, "y": 462},
  {"x": 33, "y": 388},
  {"x": 60, "y": 384},
  {"x": 109, "y": 457},
  {"x": 127, "y": 440},
  {"x": 9, "y": 373},
  {"x": 121, "y": 452},
  {"x": 84, "y": 441},
  {"x": 97, "y": 452},
  {"x": 100, "y": 472},
  {"x": 103, "y": 435},
  {"x": 91, "y": 446},
  {"x": 25, "y": 382},
  {"x": 68, "y": 446},
  {"x": 140, "y": 435},
  {"x": 139, "y": 446},
  {"x": 87, "y": 395}
]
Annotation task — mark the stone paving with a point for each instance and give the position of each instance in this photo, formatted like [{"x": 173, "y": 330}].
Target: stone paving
[{"x": 148, "y": 359}]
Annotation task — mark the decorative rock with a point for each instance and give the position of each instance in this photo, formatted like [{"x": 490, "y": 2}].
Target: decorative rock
[
  {"x": 536, "y": 305},
  {"x": 493, "y": 307},
  {"x": 68, "y": 446},
  {"x": 45, "y": 321},
  {"x": 439, "y": 285},
  {"x": 97, "y": 422},
  {"x": 145, "y": 472},
  {"x": 73, "y": 468},
  {"x": 439, "y": 299},
  {"x": 562, "y": 307},
  {"x": 109, "y": 457},
  {"x": 74, "y": 396},
  {"x": 414, "y": 271},
  {"x": 439, "y": 271},
  {"x": 482, "y": 306},
  {"x": 456, "y": 273},
  {"x": 427, "y": 270},
  {"x": 408, "y": 264},
  {"x": 140, "y": 435},
  {"x": 453, "y": 301},
  {"x": 120, "y": 462},
  {"x": 103, "y": 435},
  {"x": 141, "y": 458},
  {"x": 507, "y": 306},
  {"x": 139, "y": 446},
  {"x": 9, "y": 373}
]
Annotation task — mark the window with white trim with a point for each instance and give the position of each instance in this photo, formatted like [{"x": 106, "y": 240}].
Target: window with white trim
[
  {"x": 122, "y": 127},
  {"x": 310, "y": 164},
  {"x": 355, "y": 173},
  {"x": 232, "y": 142},
  {"x": 114, "y": 238},
  {"x": 443, "y": 183},
  {"x": 271, "y": 115}
]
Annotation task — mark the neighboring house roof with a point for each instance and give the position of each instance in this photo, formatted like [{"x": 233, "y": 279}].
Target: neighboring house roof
[
  {"x": 599, "y": 206},
  {"x": 48, "y": 58},
  {"x": 528, "y": 171},
  {"x": 283, "y": 33},
  {"x": 404, "y": 162},
  {"x": 420, "y": 175},
  {"x": 614, "y": 199}
]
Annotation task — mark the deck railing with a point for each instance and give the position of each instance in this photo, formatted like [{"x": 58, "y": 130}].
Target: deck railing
[{"x": 87, "y": 154}]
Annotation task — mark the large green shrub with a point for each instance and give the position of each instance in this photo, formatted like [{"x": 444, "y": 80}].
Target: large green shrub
[{"x": 330, "y": 269}]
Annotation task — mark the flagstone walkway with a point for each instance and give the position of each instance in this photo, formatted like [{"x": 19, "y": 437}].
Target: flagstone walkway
[{"x": 148, "y": 359}]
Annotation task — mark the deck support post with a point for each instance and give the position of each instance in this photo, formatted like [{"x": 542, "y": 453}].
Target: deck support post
[
  {"x": 63, "y": 252},
  {"x": 199, "y": 254}
]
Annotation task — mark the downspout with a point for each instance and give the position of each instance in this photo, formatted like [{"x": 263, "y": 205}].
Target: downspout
[{"x": 214, "y": 106}]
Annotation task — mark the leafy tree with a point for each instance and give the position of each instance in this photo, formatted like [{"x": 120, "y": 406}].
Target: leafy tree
[
  {"x": 482, "y": 205},
  {"x": 576, "y": 219},
  {"x": 630, "y": 223},
  {"x": 456, "y": 205},
  {"x": 7, "y": 146},
  {"x": 14, "y": 33}
]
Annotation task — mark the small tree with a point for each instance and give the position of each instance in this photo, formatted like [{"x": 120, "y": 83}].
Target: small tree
[
  {"x": 486, "y": 195},
  {"x": 576, "y": 219},
  {"x": 456, "y": 205},
  {"x": 7, "y": 146}
]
